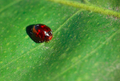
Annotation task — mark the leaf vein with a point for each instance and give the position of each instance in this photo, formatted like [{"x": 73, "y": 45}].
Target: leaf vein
[
  {"x": 43, "y": 43},
  {"x": 9, "y": 5},
  {"x": 91, "y": 53}
]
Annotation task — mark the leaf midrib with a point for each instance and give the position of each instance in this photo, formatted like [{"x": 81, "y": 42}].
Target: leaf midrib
[{"x": 89, "y": 7}]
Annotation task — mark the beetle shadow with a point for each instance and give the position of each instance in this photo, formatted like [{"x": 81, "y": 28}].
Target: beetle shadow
[{"x": 31, "y": 34}]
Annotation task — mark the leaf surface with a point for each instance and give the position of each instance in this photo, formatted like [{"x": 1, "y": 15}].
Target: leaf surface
[{"x": 85, "y": 46}]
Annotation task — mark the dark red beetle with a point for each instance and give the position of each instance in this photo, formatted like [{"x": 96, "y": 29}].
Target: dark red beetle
[{"x": 42, "y": 32}]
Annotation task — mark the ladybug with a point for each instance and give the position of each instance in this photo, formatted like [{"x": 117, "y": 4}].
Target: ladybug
[{"x": 42, "y": 32}]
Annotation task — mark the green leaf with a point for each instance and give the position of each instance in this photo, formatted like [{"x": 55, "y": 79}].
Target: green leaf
[{"x": 85, "y": 46}]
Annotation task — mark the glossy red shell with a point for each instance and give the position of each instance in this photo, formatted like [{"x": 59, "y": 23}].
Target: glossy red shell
[{"x": 42, "y": 32}]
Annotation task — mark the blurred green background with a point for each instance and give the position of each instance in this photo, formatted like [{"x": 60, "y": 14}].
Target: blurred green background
[{"x": 85, "y": 46}]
